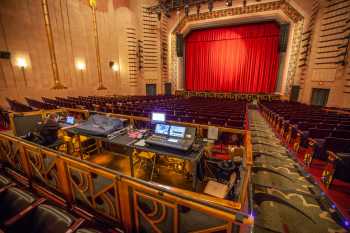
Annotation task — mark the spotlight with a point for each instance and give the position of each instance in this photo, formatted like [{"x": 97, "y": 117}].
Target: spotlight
[
  {"x": 198, "y": 8},
  {"x": 210, "y": 5},
  {"x": 187, "y": 9},
  {"x": 228, "y": 3}
]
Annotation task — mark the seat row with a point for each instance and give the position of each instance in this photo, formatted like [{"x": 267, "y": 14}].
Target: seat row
[
  {"x": 327, "y": 140},
  {"x": 197, "y": 110},
  {"x": 23, "y": 211}
]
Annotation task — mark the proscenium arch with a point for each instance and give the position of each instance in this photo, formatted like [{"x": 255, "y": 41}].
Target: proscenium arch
[{"x": 279, "y": 11}]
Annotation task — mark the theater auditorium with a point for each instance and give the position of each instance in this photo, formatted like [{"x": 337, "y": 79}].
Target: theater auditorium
[{"x": 174, "y": 116}]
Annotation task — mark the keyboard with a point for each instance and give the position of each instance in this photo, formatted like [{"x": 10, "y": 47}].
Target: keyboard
[{"x": 174, "y": 143}]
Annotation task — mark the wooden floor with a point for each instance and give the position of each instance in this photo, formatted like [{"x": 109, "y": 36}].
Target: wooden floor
[{"x": 164, "y": 175}]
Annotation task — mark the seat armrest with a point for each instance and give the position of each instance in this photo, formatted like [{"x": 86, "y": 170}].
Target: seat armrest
[
  {"x": 23, "y": 212},
  {"x": 6, "y": 187},
  {"x": 75, "y": 225}
]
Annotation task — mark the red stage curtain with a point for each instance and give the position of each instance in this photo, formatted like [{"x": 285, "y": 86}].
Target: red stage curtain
[{"x": 238, "y": 58}]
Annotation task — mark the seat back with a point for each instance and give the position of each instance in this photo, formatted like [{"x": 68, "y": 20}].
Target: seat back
[
  {"x": 337, "y": 145},
  {"x": 88, "y": 230},
  {"x": 4, "y": 181},
  {"x": 341, "y": 134},
  {"x": 319, "y": 133},
  {"x": 13, "y": 200},
  {"x": 45, "y": 218}
]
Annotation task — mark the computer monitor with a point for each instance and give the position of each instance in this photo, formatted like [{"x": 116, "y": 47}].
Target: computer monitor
[
  {"x": 162, "y": 129},
  {"x": 70, "y": 120},
  {"x": 177, "y": 131},
  {"x": 158, "y": 117}
]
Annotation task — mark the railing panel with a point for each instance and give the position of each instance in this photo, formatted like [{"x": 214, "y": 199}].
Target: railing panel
[
  {"x": 10, "y": 154},
  {"x": 43, "y": 166},
  {"x": 153, "y": 214},
  {"x": 94, "y": 190}
]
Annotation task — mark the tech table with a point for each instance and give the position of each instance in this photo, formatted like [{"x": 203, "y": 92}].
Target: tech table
[{"x": 126, "y": 145}]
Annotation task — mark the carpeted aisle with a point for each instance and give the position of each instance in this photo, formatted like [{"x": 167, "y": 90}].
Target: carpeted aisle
[{"x": 285, "y": 200}]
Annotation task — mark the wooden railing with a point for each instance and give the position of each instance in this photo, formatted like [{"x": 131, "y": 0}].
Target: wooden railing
[
  {"x": 229, "y": 95},
  {"x": 138, "y": 205}
]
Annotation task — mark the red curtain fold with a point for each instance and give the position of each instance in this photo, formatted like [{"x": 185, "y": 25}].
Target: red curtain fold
[{"x": 238, "y": 58}]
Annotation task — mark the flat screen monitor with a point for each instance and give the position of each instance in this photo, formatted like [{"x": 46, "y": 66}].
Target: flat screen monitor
[
  {"x": 158, "y": 117},
  {"x": 177, "y": 131},
  {"x": 162, "y": 129},
  {"x": 70, "y": 120}
]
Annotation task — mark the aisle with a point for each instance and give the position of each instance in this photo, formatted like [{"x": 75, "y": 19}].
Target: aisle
[{"x": 285, "y": 200}]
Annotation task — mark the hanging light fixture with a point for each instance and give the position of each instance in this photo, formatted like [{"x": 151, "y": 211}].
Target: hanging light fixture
[
  {"x": 187, "y": 9},
  {"x": 198, "y": 8},
  {"x": 210, "y": 5},
  {"x": 228, "y": 3}
]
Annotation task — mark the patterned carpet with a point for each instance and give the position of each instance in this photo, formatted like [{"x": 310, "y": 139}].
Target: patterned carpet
[{"x": 285, "y": 198}]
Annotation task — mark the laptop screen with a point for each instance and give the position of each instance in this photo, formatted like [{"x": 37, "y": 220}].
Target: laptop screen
[
  {"x": 158, "y": 117},
  {"x": 177, "y": 131},
  {"x": 162, "y": 129},
  {"x": 70, "y": 120}
]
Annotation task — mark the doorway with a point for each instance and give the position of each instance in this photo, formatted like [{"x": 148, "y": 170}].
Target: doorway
[
  {"x": 151, "y": 89},
  {"x": 294, "y": 95},
  {"x": 167, "y": 88},
  {"x": 319, "y": 97}
]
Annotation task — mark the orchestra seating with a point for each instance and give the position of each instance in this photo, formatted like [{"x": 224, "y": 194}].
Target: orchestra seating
[
  {"x": 313, "y": 132},
  {"x": 18, "y": 107},
  {"x": 39, "y": 105},
  {"x": 329, "y": 130},
  {"x": 197, "y": 110},
  {"x": 27, "y": 212}
]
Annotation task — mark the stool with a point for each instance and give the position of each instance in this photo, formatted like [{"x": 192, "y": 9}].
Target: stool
[{"x": 145, "y": 158}]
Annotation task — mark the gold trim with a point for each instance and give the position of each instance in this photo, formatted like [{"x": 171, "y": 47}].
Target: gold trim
[
  {"x": 56, "y": 79},
  {"x": 97, "y": 46}
]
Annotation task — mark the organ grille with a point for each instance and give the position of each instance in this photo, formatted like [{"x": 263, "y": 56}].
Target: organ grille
[
  {"x": 132, "y": 56},
  {"x": 334, "y": 36},
  {"x": 306, "y": 43},
  {"x": 151, "y": 35}
]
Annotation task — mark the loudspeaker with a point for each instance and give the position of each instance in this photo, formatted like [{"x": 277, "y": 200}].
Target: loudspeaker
[
  {"x": 284, "y": 31},
  {"x": 5, "y": 55},
  {"x": 179, "y": 45}
]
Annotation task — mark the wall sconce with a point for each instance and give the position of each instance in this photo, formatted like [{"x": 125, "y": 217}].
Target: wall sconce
[
  {"x": 21, "y": 62},
  {"x": 115, "y": 67},
  {"x": 80, "y": 65}
]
